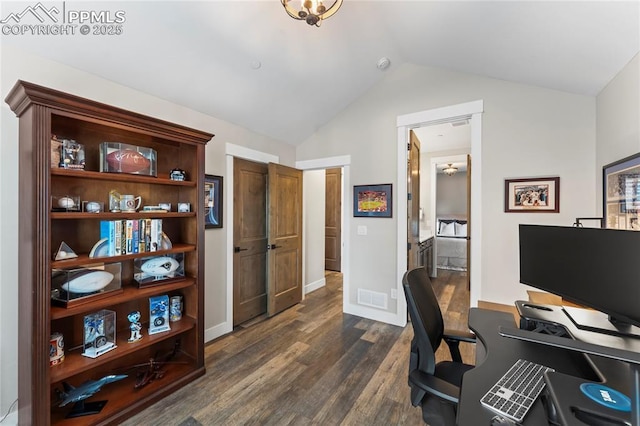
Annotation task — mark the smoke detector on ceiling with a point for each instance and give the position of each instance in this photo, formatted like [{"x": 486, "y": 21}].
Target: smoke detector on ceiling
[{"x": 383, "y": 63}]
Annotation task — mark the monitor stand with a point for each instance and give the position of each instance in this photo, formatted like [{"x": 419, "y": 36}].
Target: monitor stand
[{"x": 598, "y": 322}]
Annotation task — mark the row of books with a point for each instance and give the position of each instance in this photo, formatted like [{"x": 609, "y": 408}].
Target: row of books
[{"x": 130, "y": 236}]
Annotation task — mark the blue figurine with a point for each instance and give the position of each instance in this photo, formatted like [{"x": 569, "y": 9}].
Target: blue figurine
[{"x": 135, "y": 326}]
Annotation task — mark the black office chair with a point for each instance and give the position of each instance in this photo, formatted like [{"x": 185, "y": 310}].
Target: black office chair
[{"x": 435, "y": 387}]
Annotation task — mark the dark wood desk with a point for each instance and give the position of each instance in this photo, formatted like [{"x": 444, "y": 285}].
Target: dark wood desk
[{"x": 494, "y": 356}]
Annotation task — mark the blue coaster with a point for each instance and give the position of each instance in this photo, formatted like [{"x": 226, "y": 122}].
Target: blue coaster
[{"x": 606, "y": 396}]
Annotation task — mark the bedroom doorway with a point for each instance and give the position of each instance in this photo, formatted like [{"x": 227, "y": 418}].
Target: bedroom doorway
[
  {"x": 445, "y": 202},
  {"x": 471, "y": 111},
  {"x": 451, "y": 209}
]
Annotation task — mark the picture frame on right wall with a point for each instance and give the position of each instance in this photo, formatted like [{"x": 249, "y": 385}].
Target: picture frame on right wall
[
  {"x": 532, "y": 195},
  {"x": 212, "y": 201},
  {"x": 621, "y": 194}
]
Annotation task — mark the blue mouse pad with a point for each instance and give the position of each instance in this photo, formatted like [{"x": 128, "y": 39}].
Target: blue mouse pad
[{"x": 606, "y": 396}]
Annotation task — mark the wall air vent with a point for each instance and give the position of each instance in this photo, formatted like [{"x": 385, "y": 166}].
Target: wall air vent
[{"x": 372, "y": 298}]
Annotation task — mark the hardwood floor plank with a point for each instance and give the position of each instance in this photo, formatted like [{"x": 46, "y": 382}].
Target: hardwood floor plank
[{"x": 310, "y": 365}]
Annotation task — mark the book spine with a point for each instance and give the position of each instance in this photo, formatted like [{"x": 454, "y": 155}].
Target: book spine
[
  {"x": 129, "y": 230},
  {"x": 123, "y": 237},
  {"x": 147, "y": 235},
  {"x": 154, "y": 235},
  {"x": 107, "y": 230},
  {"x": 135, "y": 236},
  {"x": 142, "y": 224},
  {"x": 117, "y": 240}
]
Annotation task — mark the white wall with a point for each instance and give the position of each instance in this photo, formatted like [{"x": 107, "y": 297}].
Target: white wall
[
  {"x": 17, "y": 65},
  {"x": 451, "y": 194},
  {"x": 527, "y": 131},
  {"x": 314, "y": 195},
  {"x": 618, "y": 124},
  {"x": 427, "y": 222}
]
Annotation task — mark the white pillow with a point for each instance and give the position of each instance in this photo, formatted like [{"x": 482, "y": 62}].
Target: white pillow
[
  {"x": 461, "y": 229},
  {"x": 447, "y": 229}
]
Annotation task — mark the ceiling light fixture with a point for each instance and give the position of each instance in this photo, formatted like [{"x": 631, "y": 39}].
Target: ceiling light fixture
[
  {"x": 313, "y": 12},
  {"x": 450, "y": 170}
]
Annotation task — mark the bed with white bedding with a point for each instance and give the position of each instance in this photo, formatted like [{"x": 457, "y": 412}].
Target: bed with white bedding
[{"x": 451, "y": 243}]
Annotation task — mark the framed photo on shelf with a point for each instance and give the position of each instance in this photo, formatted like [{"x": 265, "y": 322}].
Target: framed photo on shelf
[
  {"x": 212, "y": 201},
  {"x": 373, "y": 200},
  {"x": 532, "y": 195},
  {"x": 621, "y": 193}
]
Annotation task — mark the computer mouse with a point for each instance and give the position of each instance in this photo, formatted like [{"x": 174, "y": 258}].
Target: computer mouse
[{"x": 501, "y": 421}]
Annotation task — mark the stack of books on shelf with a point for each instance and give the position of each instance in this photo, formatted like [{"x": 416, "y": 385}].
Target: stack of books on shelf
[{"x": 129, "y": 236}]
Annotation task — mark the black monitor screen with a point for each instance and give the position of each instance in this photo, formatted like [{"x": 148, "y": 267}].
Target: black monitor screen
[{"x": 597, "y": 268}]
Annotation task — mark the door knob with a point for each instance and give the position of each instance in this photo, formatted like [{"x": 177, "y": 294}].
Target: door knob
[{"x": 238, "y": 249}]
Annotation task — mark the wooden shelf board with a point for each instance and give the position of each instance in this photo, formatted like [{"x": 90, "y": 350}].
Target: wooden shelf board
[
  {"x": 128, "y": 293},
  {"x": 76, "y": 363},
  {"x": 116, "y": 216},
  {"x": 124, "y": 400},
  {"x": 119, "y": 177},
  {"x": 84, "y": 259}
]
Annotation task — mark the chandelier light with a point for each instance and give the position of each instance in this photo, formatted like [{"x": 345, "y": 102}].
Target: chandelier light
[
  {"x": 313, "y": 12},
  {"x": 450, "y": 170}
]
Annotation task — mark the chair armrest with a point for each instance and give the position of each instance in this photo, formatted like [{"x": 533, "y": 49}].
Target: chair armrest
[
  {"x": 435, "y": 386},
  {"x": 462, "y": 336},
  {"x": 453, "y": 339}
]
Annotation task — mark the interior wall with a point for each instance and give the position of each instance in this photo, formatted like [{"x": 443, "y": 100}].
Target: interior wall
[
  {"x": 451, "y": 194},
  {"x": 313, "y": 193},
  {"x": 618, "y": 125},
  {"x": 426, "y": 221},
  {"x": 18, "y": 65},
  {"x": 527, "y": 131}
]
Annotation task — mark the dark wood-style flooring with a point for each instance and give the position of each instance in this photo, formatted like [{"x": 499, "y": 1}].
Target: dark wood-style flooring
[{"x": 310, "y": 365}]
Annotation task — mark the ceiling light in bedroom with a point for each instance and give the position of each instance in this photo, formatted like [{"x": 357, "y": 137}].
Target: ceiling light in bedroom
[
  {"x": 450, "y": 170},
  {"x": 313, "y": 12}
]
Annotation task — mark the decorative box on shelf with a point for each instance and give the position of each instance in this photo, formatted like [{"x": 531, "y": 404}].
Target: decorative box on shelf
[
  {"x": 156, "y": 270},
  {"x": 71, "y": 287},
  {"x": 117, "y": 157},
  {"x": 65, "y": 203},
  {"x": 99, "y": 333},
  {"x": 67, "y": 154},
  {"x": 159, "y": 314}
]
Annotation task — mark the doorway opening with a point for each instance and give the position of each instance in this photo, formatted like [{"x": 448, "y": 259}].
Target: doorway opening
[
  {"x": 314, "y": 260},
  {"x": 471, "y": 111}
]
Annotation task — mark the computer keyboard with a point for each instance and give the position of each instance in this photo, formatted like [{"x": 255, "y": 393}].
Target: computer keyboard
[{"x": 513, "y": 395}]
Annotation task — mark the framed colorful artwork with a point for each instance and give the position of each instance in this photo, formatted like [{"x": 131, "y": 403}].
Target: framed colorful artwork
[{"x": 373, "y": 200}]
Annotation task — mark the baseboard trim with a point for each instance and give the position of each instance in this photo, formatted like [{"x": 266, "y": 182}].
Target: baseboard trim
[
  {"x": 217, "y": 331},
  {"x": 375, "y": 314},
  {"x": 315, "y": 285}
]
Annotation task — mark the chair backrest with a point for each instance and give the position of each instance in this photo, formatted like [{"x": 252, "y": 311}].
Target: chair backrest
[{"x": 426, "y": 317}]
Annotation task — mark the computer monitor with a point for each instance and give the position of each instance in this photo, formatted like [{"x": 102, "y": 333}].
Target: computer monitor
[{"x": 593, "y": 267}]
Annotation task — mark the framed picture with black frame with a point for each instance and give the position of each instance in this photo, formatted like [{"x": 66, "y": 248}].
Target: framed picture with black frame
[
  {"x": 373, "y": 200},
  {"x": 532, "y": 195},
  {"x": 621, "y": 194},
  {"x": 212, "y": 201}
]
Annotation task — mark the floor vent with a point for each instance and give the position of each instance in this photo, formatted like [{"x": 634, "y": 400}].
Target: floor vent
[{"x": 372, "y": 298}]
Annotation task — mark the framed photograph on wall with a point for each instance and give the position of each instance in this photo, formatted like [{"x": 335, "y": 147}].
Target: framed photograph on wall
[
  {"x": 373, "y": 200},
  {"x": 621, "y": 193},
  {"x": 212, "y": 201},
  {"x": 532, "y": 195}
]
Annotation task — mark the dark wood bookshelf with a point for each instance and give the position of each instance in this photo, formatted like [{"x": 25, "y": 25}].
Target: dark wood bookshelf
[{"x": 45, "y": 114}]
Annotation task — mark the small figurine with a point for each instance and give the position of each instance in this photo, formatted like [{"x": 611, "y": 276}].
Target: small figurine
[
  {"x": 135, "y": 326},
  {"x": 178, "y": 174}
]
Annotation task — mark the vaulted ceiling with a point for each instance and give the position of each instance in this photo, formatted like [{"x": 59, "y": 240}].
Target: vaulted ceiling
[{"x": 248, "y": 63}]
